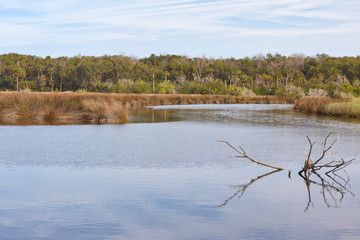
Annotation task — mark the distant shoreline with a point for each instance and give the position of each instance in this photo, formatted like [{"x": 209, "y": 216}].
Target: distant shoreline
[{"x": 44, "y": 108}]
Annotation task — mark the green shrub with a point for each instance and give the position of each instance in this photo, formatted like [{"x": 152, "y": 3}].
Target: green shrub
[
  {"x": 28, "y": 85},
  {"x": 81, "y": 91},
  {"x": 261, "y": 90},
  {"x": 166, "y": 87},
  {"x": 240, "y": 91},
  {"x": 141, "y": 87},
  {"x": 347, "y": 88},
  {"x": 215, "y": 87},
  {"x": 192, "y": 87}
]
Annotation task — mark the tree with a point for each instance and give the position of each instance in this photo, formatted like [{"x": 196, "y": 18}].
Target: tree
[
  {"x": 51, "y": 71},
  {"x": 19, "y": 74},
  {"x": 62, "y": 75}
]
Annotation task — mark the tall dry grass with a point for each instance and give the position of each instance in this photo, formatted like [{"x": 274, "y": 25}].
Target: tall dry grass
[
  {"x": 316, "y": 104},
  {"x": 78, "y": 108}
]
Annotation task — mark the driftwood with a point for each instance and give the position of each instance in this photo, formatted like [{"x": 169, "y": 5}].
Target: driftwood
[
  {"x": 314, "y": 165},
  {"x": 330, "y": 175},
  {"x": 244, "y": 155},
  {"x": 334, "y": 185}
]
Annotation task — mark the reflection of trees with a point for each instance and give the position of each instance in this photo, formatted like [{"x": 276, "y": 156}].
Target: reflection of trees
[{"x": 242, "y": 188}]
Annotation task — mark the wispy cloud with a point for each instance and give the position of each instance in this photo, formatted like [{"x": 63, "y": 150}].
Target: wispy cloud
[{"x": 75, "y": 22}]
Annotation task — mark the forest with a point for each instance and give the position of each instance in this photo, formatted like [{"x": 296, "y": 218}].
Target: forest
[{"x": 295, "y": 75}]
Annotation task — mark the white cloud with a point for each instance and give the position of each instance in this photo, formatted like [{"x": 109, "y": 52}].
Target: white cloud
[{"x": 139, "y": 20}]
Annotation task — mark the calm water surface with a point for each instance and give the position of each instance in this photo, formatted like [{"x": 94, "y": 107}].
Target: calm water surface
[{"x": 164, "y": 176}]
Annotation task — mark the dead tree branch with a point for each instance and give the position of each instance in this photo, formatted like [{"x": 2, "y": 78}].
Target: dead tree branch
[
  {"x": 314, "y": 165},
  {"x": 332, "y": 184},
  {"x": 244, "y": 155}
]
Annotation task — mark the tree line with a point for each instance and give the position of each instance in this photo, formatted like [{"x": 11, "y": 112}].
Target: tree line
[{"x": 263, "y": 75}]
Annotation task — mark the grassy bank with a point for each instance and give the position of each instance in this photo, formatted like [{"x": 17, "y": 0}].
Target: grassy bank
[
  {"x": 87, "y": 108},
  {"x": 346, "y": 109},
  {"x": 329, "y": 106}
]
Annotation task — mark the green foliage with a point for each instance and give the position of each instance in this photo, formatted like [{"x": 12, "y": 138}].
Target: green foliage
[
  {"x": 141, "y": 87},
  {"x": 214, "y": 87},
  {"x": 80, "y": 91},
  {"x": 240, "y": 91},
  {"x": 235, "y": 90},
  {"x": 261, "y": 90},
  {"x": 166, "y": 87},
  {"x": 347, "y": 88},
  {"x": 28, "y": 85},
  {"x": 262, "y": 74},
  {"x": 128, "y": 86},
  {"x": 191, "y": 87}
]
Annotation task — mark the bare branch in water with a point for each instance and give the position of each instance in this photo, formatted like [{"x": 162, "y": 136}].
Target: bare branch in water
[
  {"x": 244, "y": 155},
  {"x": 332, "y": 184}
]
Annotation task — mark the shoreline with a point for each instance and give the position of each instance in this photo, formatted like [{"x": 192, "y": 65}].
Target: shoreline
[
  {"x": 66, "y": 108},
  {"x": 44, "y": 108}
]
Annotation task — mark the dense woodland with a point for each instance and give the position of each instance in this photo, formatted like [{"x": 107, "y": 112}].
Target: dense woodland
[{"x": 294, "y": 75}]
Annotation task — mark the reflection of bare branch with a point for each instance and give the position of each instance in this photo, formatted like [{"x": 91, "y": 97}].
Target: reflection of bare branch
[
  {"x": 244, "y": 155},
  {"x": 243, "y": 187}
]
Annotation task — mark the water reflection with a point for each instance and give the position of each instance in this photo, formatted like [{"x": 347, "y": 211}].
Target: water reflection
[
  {"x": 242, "y": 188},
  {"x": 252, "y": 114},
  {"x": 163, "y": 180},
  {"x": 333, "y": 187},
  {"x": 150, "y": 115}
]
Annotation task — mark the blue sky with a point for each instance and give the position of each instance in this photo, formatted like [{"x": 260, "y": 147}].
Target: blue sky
[{"x": 213, "y": 28}]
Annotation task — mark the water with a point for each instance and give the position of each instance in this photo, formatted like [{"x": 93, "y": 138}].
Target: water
[{"x": 164, "y": 176}]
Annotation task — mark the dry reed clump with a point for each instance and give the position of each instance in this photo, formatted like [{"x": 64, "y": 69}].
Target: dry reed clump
[
  {"x": 119, "y": 112},
  {"x": 23, "y": 107},
  {"x": 94, "y": 109},
  {"x": 50, "y": 113}
]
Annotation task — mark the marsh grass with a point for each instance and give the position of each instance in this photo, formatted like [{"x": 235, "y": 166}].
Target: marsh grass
[
  {"x": 97, "y": 108},
  {"x": 329, "y": 106},
  {"x": 313, "y": 104},
  {"x": 346, "y": 109}
]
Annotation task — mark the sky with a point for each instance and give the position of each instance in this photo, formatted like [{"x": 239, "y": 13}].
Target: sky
[{"x": 211, "y": 28}]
